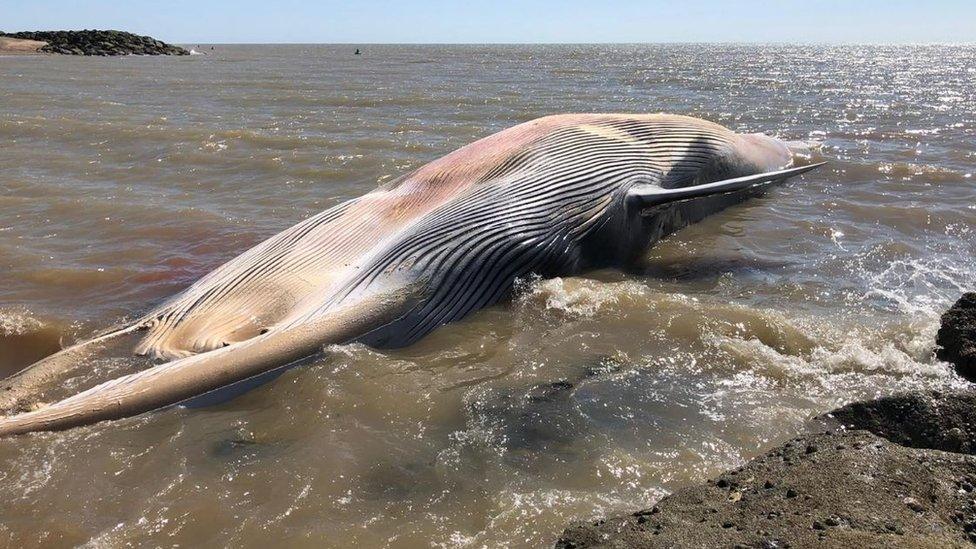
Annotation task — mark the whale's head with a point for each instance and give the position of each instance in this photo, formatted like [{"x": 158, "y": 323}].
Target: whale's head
[{"x": 756, "y": 152}]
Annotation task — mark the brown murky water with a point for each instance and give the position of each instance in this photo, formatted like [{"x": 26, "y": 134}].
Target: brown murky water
[{"x": 124, "y": 180}]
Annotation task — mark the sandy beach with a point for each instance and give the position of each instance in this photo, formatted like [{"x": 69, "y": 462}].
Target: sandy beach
[{"x": 16, "y": 46}]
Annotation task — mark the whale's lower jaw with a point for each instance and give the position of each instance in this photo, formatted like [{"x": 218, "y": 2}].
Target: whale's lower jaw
[{"x": 189, "y": 378}]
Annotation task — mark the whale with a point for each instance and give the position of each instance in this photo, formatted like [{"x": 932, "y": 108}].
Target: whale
[{"x": 556, "y": 196}]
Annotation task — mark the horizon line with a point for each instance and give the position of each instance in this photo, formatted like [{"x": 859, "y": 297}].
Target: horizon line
[
  {"x": 535, "y": 43},
  {"x": 660, "y": 43}
]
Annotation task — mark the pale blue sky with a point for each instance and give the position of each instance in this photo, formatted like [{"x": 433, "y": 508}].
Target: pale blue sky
[{"x": 437, "y": 21}]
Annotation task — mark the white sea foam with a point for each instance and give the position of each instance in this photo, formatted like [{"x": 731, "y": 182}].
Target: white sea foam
[
  {"x": 920, "y": 286},
  {"x": 17, "y": 322},
  {"x": 578, "y": 296}
]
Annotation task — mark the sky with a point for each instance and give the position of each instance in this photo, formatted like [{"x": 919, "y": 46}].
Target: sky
[{"x": 507, "y": 21}]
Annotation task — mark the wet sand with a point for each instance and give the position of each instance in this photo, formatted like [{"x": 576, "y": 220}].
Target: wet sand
[{"x": 16, "y": 46}]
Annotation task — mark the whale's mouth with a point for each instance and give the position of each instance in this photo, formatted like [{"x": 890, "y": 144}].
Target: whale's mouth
[{"x": 803, "y": 151}]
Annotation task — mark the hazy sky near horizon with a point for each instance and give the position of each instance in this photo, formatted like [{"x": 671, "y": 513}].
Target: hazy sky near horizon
[{"x": 505, "y": 21}]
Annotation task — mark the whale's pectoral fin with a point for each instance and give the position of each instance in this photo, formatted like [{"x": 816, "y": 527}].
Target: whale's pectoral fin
[{"x": 650, "y": 196}]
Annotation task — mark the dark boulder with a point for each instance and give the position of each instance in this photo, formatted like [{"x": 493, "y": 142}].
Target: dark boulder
[
  {"x": 933, "y": 420},
  {"x": 957, "y": 336}
]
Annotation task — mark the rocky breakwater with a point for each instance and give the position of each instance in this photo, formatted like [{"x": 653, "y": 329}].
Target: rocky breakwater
[
  {"x": 894, "y": 472},
  {"x": 97, "y": 42}
]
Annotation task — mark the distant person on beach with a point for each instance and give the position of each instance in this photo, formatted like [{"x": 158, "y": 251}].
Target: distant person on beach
[{"x": 357, "y": 52}]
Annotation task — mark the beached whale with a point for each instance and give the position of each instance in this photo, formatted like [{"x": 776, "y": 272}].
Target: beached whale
[{"x": 555, "y": 196}]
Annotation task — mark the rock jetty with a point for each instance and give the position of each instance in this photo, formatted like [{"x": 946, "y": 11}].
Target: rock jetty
[{"x": 97, "y": 42}]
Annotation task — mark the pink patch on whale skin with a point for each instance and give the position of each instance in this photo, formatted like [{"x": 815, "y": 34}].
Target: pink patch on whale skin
[{"x": 767, "y": 153}]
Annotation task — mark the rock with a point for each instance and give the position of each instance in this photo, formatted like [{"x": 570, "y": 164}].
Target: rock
[
  {"x": 857, "y": 490},
  {"x": 97, "y": 42},
  {"x": 934, "y": 420},
  {"x": 957, "y": 336}
]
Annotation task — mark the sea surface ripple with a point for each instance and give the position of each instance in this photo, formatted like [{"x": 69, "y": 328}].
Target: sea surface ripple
[{"x": 123, "y": 180}]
